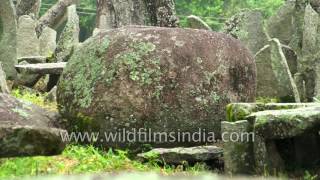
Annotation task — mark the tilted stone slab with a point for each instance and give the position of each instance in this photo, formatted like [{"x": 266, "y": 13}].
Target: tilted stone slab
[{"x": 42, "y": 68}]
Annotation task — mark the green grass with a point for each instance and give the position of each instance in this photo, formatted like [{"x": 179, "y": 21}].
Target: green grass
[
  {"x": 35, "y": 98},
  {"x": 78, "y": 159},
  {"x": 86, "y": 159}
]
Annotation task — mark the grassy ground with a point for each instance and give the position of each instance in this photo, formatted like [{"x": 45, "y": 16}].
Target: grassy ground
[{"x": 80, "y": 159}]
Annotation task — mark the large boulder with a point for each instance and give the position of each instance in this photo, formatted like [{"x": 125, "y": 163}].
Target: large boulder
[
  {"x": 166, "y": 80},
  {"x": 27, "y": 130}
]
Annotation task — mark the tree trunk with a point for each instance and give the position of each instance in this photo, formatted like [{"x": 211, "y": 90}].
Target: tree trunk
[
  {"x": 116, "y": 13},
  {"x": 54, "y": 16}
]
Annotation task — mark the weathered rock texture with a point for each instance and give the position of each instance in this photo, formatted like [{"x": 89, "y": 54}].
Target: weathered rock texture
[
  {"x": 48, "y": 44},
  {"x": 8, "y": 30},
  {"x": 196, "y": 22},
  {"x": 113, "y": 14},
  {"x": 237, "y": 152},
  {"x": 285, "y": 136},
  {"x": 182, "y": 155},
  {"x": 159, "y": 78},
  {"x": 43, "y": 68},
  {"x": 27, "y": 130},
  {"x": 28, "y": 7},
  {"x": 281, "y": 25},
  {"x": 69, "y": 37},
  {"x": 3, "y": 83},
  {"x": 297, "y": 24},
  {"x": 28, "y": 43}
]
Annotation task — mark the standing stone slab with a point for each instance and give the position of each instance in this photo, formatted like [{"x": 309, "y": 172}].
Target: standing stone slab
[
  {"x": 28, "y": 43},
  {"x": 196, "y": 22},
  {"x": 69, "y": 37},
  {"x": 237, "y": 154},
  {"x": 48, "y": 42},
  {"x": 8, "y": 29},
  {"x": 3, "y": 83},
  {"x": 248, "y": 27},
  {"x": 281, "y": 25},
  {"x": 310, "y": 52},
  {"x": 274, "y": 80}
]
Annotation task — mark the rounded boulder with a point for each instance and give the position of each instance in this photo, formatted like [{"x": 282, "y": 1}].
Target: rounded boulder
[{"x": 158, "y": 86}]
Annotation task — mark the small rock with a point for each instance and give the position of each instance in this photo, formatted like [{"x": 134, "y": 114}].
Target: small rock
[{"x": 180, "y": 155}]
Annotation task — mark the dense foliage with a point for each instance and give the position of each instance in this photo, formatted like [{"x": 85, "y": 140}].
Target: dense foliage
[{"x": 214, "y": 12}]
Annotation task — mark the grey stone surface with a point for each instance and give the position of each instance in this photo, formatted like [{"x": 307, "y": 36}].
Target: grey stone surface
[
  {"x": 310, "y": 52},
  {"x": 283, "y": 133},
  {"x": 273, "y": 64},
  {"x": 24, "y": 78},
  {"x": 279, "y": 124},
  {"x": 28, "y": 43},
  {"x": 196, "y": 22},
  {"x": 241, "y": 111},
  {"x": 28, "y": 7},
  {"x": 181, "y": 155},
  {"x": 48, "y": 43},
  {"x": 42, "y": 68},
  {"x": 247, "y": 26},
  {"x": 27, "y": 130},
  {"x": 282, "y": 72},
  {"x": 8, "y": 54},
  {"x": 69, "y": 37},
  {"x": 33, "y": 59},
  {"x": 238, "y": 152},
  {"x": 281, "y": 24},
  {"x": 3, "y": 83}
]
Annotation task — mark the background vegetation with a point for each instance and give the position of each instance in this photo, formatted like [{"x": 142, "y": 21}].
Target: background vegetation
[{"x": 213, "y": 12}]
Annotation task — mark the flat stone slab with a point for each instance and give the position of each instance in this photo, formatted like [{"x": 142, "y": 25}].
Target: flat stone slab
[
  {"x": 181, "y": 154},
  {"x": 32, "y": 59},
  {"x": 42, "y": 68},
  {"x": 280, "y": 124},
  {"x": 240, "y": 111}
]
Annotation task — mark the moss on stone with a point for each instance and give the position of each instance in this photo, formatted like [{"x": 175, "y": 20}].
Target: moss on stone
[
  {"x": 141, "y": 69},
  {"x": 240, "y": 111},
  {"x": 87, "y": 66}
]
